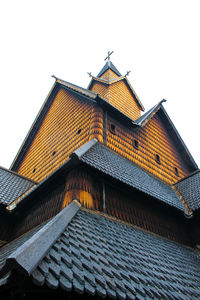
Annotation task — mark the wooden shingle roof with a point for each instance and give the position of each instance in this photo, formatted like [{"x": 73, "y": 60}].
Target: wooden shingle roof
[{"x": 90, "y": 253}]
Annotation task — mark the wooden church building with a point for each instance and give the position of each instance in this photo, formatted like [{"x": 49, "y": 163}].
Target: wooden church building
[{"x": 102, "y": 200}]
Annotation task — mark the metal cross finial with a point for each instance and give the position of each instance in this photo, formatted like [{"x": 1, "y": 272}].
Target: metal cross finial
[
  {"x": 90, "y": 74},
  {"x": 127, "y": 73},
  {"x": 109, "y": 54}
]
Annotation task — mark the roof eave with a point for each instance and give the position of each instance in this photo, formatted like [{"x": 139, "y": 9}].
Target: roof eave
[{"x": 28, "y": 255}]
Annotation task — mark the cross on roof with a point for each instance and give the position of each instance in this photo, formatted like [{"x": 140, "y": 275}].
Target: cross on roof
[
  {"x": 90, "y": 74},
  {"x": 109, "y": 54},
  {"x": 127, "y": 73}
]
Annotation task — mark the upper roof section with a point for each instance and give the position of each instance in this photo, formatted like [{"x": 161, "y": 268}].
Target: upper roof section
[
  {"x": 117, "y": 90},
  {"x": 109, "y": 68}
]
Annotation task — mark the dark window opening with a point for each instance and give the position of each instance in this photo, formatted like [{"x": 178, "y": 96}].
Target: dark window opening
[
  {"x": 136, "y": 144},
  {"x": 34, "y": 170},
  {"x": 79, "y": 131},
  {"x": 54, "y": 152},
  {"x": 176, "y": 171},
  {"x": 112, "y": 128},
  {"x": 158, "y": 159}
]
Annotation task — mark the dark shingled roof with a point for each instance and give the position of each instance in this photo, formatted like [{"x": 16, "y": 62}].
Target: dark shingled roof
[
  {"x": 127, "y": 172},
  {"x": 98, "y": 255},
  {"x": 190, "y": 190},
  {"x": 109, "y": 65},
  {"x": 146, "y": 116},
  {"x": 12, "y": 185}
]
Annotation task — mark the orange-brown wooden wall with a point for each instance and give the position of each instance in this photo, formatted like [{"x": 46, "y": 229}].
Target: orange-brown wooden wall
[
  {"x": 59, "y": 135},
  {"x": 119, "y": 95},
  {"x": 153, "y": 139},
  {"x": 69, "y": 123}
]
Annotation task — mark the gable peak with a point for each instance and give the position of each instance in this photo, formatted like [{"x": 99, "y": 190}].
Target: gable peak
[{"x": 109, "y": 68}]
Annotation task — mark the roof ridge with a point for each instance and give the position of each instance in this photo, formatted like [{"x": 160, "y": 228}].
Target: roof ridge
[
  {"x": 146, "y": 116},
  {"x": 115, "y": 80},
  {"x": 83, "y": 149},
  {"x": 109, "y": 65},
  {"x": 28, "y": 255},
  {"x": 72, "y": 86}
]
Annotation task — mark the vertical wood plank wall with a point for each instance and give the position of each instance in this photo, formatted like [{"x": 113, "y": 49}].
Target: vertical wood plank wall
[{"x": 70, "y": 123}]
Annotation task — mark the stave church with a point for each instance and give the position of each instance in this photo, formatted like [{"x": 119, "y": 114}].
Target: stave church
[{"x": 102, "y": 200}]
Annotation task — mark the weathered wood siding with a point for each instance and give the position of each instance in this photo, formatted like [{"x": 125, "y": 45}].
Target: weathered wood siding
[{"x": 69, "y": 123}]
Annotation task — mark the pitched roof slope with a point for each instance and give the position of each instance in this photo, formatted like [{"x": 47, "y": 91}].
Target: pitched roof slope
[
  {"x": 107, "y": 66},
  {"x": 149, "y": 114},
  {"x": 190, "y": 190},
  {"x": 127, "y": 172},
  {"x": 12, "y": 185},
  {"x": 101, "y": 256},
  {"x": 120, "y": 94}
]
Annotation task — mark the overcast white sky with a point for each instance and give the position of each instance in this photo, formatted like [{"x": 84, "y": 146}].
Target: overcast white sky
[{"x": 159, "y": 41}]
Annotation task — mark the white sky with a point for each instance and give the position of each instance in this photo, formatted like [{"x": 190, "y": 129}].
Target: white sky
[{"x": 159, "y": 41}]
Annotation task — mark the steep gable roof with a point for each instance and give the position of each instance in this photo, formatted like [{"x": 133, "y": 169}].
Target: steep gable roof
[
  {"x": 84, "y": 93},
  {"x": 149, "y": 114},
  {"x": 95, "y": 98},
  {"x": 158, "y": 108},
  {"x": 109, "y": 83},
  {"x": 109, "y": 65},
  {"x": 94, "y": 254}
]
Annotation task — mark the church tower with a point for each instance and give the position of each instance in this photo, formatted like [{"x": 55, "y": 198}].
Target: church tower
[{"x": 102, "y": 200}]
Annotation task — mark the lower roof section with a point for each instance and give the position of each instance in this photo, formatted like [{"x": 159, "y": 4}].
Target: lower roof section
[
  {"x": 190, "y": 190},
  {"x": 91, "y": 253},
  {"x": 106, "y": 161},
  {"x": 12, "y": 185}
]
